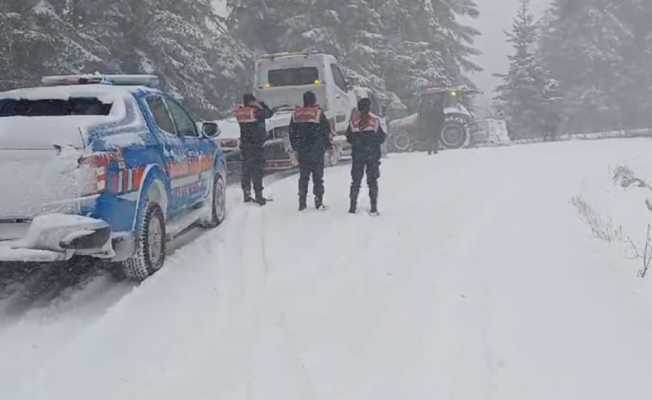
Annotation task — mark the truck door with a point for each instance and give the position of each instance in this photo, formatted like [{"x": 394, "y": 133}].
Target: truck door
[
  {"x": 342, "y": 104},
  {"x": 195, "y": 179},
  {"x": 172, "y": 149}
]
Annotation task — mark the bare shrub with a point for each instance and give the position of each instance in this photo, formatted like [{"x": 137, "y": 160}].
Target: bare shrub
[
  {"x": 647, "y": 253},
  {"x": 602, "y": 228}
]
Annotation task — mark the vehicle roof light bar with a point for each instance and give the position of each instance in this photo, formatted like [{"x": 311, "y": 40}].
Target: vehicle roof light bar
[
  {"x": 273, "y": 56},
  {"x": 98, "y": 79}
]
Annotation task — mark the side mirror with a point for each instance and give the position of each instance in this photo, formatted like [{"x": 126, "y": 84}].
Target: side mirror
[{"x": 210, "y": 130}]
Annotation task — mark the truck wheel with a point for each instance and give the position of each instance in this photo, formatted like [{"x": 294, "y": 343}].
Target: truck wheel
[
  {"x": 402, "y": 141},
  {"x": 218, "y": 204},
  {"x": 150, "y": 245},
  {"x": 454, "y": 134}
]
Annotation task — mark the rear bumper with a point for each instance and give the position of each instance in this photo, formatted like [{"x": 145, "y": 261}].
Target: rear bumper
[{"x": 59, "y": 237}]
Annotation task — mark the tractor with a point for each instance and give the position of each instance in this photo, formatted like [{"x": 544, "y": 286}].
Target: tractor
[{"x": 456, "y": 130}]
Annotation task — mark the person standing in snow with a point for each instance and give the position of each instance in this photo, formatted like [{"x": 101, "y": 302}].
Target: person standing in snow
[
  {"x": 366, "y": 137},
  {"x": 253, "y": 133},
  {"x": 310, "y": 136},
  {"x": 431, "y": 121}
]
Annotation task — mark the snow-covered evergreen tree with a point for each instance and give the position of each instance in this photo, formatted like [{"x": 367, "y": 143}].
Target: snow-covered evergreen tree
[
  {"x": 37, "y": 40},
  {"x": 521, "y": 95},
  {"x": 584, "y": 46},
  {"x": 183, "y": 42},
  {"x": 635, "y": 74}
]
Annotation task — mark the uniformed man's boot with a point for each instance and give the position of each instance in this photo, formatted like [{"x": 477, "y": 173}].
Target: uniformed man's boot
[
  {"x": 373, "y": 199},
  {"x": 319, "y": 203},
  {"x": 260, "y": 199},
  {"x": 374, "y": 208},
  {"x": 302, "y": 203},
  {"x": 354, "y": 206},
  {"x": 247, "y": 197},
  {"x": 354, "y": 201}
]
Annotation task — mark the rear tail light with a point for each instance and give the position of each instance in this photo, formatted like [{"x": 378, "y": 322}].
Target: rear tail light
[{"x": 95, "y": 172}]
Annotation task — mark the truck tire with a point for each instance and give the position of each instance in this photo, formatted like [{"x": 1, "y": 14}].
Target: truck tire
[
  {"x": 218, "y": 204},
  {"x": 402, "y": 141},
  {"x": 454, "y": 134},
  {"x": 150, "y": 245}
]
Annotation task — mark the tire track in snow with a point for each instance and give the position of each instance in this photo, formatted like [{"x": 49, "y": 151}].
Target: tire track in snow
[
  {"x": 467, "y": 309},
  {"x": 252, "y": 322},
  {"x": 274, "y": 345}
]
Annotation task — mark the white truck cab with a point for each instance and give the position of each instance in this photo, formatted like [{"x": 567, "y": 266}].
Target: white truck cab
[{"x": 282, "y": 79}]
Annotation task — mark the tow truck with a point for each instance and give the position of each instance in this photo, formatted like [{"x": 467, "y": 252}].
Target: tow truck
[{"x": 281, "y": 79}]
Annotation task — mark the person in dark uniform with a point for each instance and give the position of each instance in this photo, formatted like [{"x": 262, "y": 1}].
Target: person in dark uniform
[
  {"x": 366, "y": 136},
  {"x": 310, "y": 136},
  {"x": 253, "y": 133},
  {"x": 431, "y": 121}
]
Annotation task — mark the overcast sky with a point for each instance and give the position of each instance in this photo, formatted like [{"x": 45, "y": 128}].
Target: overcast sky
[{"x": 495, "y": 17}]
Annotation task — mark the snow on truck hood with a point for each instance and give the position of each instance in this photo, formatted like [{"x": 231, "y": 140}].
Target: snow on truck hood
[
  {"x": 279, "y": 120},
  {"x": 231, "y": 129},
  {"x": 36, "y": 132}
]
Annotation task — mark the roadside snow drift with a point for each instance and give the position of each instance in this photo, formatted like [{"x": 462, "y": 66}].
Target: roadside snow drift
[{"x": 479, "y": 281}]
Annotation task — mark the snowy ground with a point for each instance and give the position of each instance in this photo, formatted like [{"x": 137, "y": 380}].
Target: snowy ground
[{"x": 480, "y": 280}]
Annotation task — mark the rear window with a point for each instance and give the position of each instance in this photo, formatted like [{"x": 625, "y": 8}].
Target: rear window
[
  {"x": 53, "y": 107},
  {"x": 293, "y": 76}
]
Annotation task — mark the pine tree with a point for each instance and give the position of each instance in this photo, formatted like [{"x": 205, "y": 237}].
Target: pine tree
[
  {"x": 426, "y": 43},
  {"x": 37, "y": 27},
  {"x": 198, "y": 61},
  {"x": 635, "y": 74},
  {"x": 582, "y": 46},
  {"x": 520, "y": 96},
  {"x": 183, "y": 42}
]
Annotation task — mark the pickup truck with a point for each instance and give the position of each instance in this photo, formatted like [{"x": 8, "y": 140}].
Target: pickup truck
[{"x": 104, "y": 166}]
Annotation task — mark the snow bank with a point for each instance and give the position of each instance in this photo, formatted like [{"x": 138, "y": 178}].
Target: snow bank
[{"x": 478, "y": 281}]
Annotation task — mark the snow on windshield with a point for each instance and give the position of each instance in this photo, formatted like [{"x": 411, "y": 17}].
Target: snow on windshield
[
  {"x": 67, "y": 115},
  {"x": 104, "y": 93}
]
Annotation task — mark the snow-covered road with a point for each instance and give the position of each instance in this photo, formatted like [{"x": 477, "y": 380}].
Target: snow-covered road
[{"x": 479, "y": 281}]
